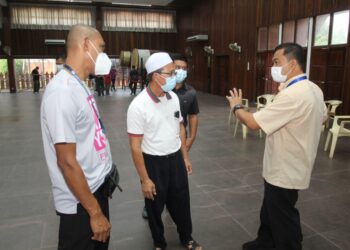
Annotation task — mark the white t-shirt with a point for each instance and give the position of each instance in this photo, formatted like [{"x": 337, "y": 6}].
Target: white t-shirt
[
  {"x": 292, "y": 123},
  {"x": 67, "y": 116},
  {"x": 158, "y": 120}
]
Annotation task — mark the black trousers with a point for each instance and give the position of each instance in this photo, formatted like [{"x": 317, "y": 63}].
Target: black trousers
[
  {"x": 170, "y": 177},
  {"x": 113, "y": 85},
  {"x": 280, "y": 220},
  {"x": 133, "y": 87},
  {"x": 75, "y": 231},
  {"x": 36, "y": 86}
]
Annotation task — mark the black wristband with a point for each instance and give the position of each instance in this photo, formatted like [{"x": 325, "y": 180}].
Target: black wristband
[{"x": 236, "y": 107}]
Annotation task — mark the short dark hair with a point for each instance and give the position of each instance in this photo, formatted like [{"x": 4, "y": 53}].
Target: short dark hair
[
  {"x": 293, "y": 51},
  {"x": 178, "y": 57},
  {"x": 61, "y": 56}
]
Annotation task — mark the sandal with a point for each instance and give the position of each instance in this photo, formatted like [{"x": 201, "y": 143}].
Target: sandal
[{"x": 192, "y": 245}]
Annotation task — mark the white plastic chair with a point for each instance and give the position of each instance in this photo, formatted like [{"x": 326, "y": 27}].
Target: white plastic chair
[
  {"x": 338, "y": 130},
  {"x": 332, "y": 106},
  {"x": 245, "y": 103},
  {"x": 262, "y": 101}
]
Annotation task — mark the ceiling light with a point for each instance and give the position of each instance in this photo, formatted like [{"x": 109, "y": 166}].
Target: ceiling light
[
  {"x": 133, "y": 4},
  {"x": 72, "y": 1}
]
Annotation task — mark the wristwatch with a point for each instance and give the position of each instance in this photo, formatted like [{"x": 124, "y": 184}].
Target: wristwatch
[{"x": 236, "y": 107}]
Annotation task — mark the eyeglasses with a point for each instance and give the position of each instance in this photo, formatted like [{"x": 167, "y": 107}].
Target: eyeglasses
[{"x": 172, "y": 73}]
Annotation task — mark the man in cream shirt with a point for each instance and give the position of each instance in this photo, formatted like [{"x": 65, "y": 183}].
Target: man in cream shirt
[{"x": 292, "y": 123}]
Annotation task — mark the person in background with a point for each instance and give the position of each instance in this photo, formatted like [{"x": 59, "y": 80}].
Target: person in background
[
  {"x": 100, "y": 85},
  {"x": 36, "y": 79},
  {"x": 60, "y": 61},
  {"x": 134, "y": 78},
  {"x": 113, "y": 75},
  {"x": 76, "y": 147},
  {"x": 188, "y": 99},
  {"x": 292, "y": 123},
  {"x": 144, "y": 81},
  {"x": 158, "y": 146},
  {"x": 107, "y": 81}
]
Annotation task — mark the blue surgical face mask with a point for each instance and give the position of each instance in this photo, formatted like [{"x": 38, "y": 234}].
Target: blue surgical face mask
[
  {"x": 180, "y": 75},
  {"x": 170, "y": 83}
]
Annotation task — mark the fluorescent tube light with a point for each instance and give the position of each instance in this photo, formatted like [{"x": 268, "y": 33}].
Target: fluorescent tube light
[{"x": 133, "y": 4}]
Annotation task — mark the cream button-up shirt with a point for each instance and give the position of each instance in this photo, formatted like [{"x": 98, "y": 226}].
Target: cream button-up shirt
[{"x": 292, "y": 123}]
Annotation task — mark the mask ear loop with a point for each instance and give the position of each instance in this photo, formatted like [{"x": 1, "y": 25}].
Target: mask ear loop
[
  {"x": 94, "y": 47},
  {"x": 160, "y": 85},
  {"x": 95, "y": 50}
]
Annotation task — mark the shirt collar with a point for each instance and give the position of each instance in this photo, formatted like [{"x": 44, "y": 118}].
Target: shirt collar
[
  {"x": 285, "y": 84},
  {"x": 184, "y": 86},
  {"x": 154, "y": 97}
]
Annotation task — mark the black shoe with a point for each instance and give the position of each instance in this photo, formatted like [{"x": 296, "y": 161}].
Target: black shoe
[
  {"x": 257, "y": 245},
  {"x": 144, "y": 213}
]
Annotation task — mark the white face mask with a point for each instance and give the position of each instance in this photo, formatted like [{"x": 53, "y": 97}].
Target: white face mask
[
  {"x": 276, "y": 73},
  {"x": 102, "y": 64}
]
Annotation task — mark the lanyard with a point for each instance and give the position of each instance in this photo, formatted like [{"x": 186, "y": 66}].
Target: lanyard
[
  {"x": 71, "y": 71},
  {"x": 296, "y": 80}
]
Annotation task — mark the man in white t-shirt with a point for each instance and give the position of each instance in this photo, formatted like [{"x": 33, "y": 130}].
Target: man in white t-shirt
[
  {"x": 158, "y": 146},
  {"x": 75, "y": 144},
  {"x": 292, "y": 123}
]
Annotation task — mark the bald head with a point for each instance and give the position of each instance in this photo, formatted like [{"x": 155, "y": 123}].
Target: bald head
[
  {"x": 78, "y": 33},
  {"x": 84, "y": 43}
]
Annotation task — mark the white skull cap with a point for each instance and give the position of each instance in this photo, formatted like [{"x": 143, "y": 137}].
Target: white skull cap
[{"x": 157, "y": 61}]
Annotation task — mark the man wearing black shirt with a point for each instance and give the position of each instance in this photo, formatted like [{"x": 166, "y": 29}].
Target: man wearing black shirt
[
  {"x": 36, "y": 82},
  {"x": 134, "y": 78},
  {"x": 188, "y": 99}
]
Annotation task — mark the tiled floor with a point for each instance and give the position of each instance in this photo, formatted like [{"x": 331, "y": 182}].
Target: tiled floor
[{"x": 226, "y": 186}]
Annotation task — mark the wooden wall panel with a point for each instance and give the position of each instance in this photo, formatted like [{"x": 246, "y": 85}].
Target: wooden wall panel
[
  {"x": 277, "y": 11},
  {"x": 262, "y": 13},
  {"x": 225, "y": 21},
  {"x": 345, "y": 107},
  {"x": 295, "y": 9},
  {"x": 31, "y": 42},
  {"x": 118, "y": 41},
  {"x": 275, "y": 15},
  {"x": 328, "y": 68}
]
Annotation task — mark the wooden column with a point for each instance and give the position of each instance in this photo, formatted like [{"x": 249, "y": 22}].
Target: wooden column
[
  {"x": 7, "y": 42},
  {"x": 345, "y": 107}
]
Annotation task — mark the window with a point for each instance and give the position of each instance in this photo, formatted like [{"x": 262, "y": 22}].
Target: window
[
  {"x": 302, "y": 32},
  {"x": 24, "y": 67},
  {"x": 273, "y": 37},
  {"x": 140, "y": 21},
  {"x": 0, "y": 17},
  {"x": 322, "y": 30},
  {"x": 3, "y": 74},
  {"x": 262, "y": 39},
  {"x": 38, "y": 17},
  {"x": 340, "y": 27},
  {"x": 288, "y": 32}
]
